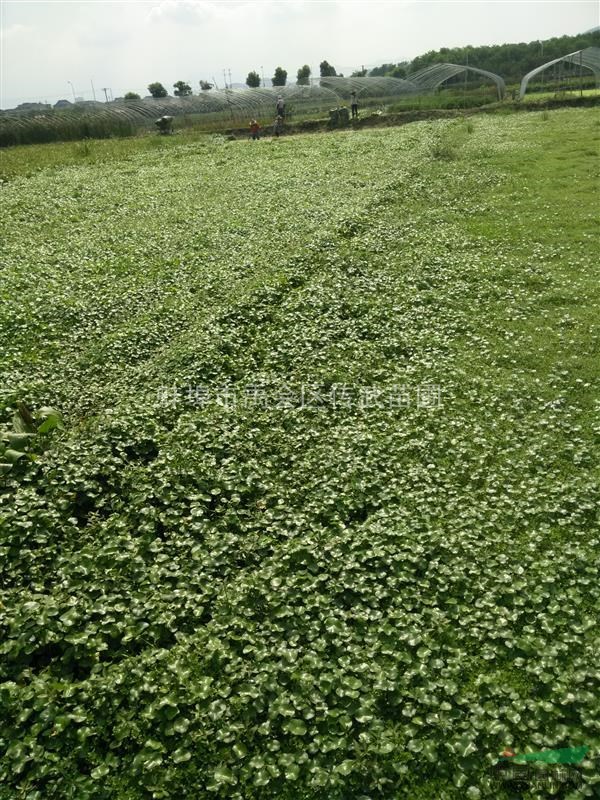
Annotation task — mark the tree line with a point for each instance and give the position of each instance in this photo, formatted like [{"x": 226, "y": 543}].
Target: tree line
[
  {"x": 511, "y": 61},
  {"x": 253, "y": 81}
]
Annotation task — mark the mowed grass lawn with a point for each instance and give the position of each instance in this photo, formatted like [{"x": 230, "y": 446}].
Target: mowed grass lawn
[{"x": 322, "y": 522}]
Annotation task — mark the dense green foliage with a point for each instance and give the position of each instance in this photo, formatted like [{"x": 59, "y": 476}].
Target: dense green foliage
[
  {"x": 279, "y": 77},
  {"x": 511, "y": 61},
  {"x": 257, "y": 600},
  {"x": 327, "y": 70},
  {"x": 253, "y": 80},
  {"x": 303, "y": 75},
  {"x": 392, "y": 70},
  {"x": 182, "y": 89},
  {"x": 156, "y": 89}
]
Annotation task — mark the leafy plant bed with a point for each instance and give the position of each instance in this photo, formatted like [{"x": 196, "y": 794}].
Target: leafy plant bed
[{"x": 323, "y": 518}]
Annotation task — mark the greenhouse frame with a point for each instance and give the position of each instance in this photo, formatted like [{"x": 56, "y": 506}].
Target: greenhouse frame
[
  {"x": 429, "y": 78},
  {"x": 588, "y": 58}
]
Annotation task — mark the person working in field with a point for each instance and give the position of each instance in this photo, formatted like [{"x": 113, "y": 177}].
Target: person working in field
[
  {"x": 280, "y": 106},
  {"x": 254, "y": 130},
  {"x": 278, "y": 126},
  {"x": 354, "y": 104}
]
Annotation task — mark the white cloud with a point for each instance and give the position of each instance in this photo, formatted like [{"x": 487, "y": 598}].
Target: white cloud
[
  {"x": 192, "y": 12},
  {"x": 236, "y": 12},
  {"x": 103, "y": 35},
  {"x": 15, "y": 31}
]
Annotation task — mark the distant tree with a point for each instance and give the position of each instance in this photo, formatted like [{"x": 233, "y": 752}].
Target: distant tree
[
  {"x": 384, "y": 69},
  {"x": 327, "y": 70},
  {"x": 359, "y": 73},
  {"x": 253, "y": 80},
  {"x": 156, "y": 89},
  {"x": 182, "y": 89},
  {"x": 399, "y": 71},
  {"x": 391, "y": 70},
  {"x": 33, "y": 106},
  {"x": 303, "y": 76},
  {"x": 280, "y": 77},
  {"x": 131, "y": 96},
  {"x": 206, "y": 86}
]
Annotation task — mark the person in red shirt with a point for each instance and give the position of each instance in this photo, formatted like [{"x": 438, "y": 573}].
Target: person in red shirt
[{"x": 254, "y": 129}]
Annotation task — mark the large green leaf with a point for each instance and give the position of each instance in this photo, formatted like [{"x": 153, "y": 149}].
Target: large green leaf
[{"x": 12, "y": 456}]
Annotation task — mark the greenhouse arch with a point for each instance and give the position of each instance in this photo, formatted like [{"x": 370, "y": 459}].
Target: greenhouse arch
[
  {"x": 431, "y": 77},
  {"x": 589, "y": 58},
  {"x": 368, "y": 87}
]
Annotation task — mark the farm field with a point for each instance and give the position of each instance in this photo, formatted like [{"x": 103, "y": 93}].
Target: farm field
[
  {"x": 543, "y": 96},
  {"x": 316, "y": 516}
]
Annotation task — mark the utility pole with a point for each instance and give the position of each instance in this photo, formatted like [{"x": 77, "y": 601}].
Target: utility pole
[
  {"x": 105, "y": 90},
  {"x": 225, "y": 77},
  {"x": 262, "y": 72},
  {"x": 72, "y": 89},
  {"x": 93, "y": 90},
  {"x": 230, "y": 83}
]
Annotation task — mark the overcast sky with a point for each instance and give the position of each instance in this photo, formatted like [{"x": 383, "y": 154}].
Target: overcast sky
[{"x": 125, "y": 45}]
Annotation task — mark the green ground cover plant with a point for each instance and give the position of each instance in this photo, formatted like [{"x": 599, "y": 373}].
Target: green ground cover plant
[{"x": 204, "y": 598}]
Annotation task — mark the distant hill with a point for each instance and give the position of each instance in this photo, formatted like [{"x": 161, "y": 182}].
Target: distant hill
[{"x": 511, "y": 61}]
